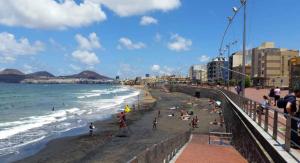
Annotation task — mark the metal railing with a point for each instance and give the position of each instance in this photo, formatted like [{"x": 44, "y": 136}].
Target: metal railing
[
  {"x": 162, "y": 152},
  {"x": 273, "y": 120},
  {"x": 220, "y": 138}
]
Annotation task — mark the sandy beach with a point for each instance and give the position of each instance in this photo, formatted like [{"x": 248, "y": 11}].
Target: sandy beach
[{"x": 107, "y": 146}]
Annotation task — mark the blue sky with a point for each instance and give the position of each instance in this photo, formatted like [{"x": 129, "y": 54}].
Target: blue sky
[{"x": 107, "y": 36}]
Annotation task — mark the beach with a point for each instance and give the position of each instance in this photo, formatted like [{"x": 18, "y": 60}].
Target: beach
[{"x": 107, "y": 146}]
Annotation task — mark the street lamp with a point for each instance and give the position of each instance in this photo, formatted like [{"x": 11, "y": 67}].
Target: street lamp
[
  {"x": 244, "y": 3},
  {"x": 235, "y": 11}
]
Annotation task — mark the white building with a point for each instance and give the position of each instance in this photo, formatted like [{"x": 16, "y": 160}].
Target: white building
[{"x": 198, "y": 73}]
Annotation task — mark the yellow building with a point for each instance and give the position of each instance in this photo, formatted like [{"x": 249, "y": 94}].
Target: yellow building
[{"x": 270, "y": 65}]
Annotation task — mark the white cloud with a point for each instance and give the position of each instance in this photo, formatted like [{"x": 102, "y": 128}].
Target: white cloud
[
  {"x": 179, "y": 43},
  {"x": 85, "y": 57},
  {"x": 75, "y": 67},
  {"x": 50, "y": 14},
  {"x": 165, "y": 70},
  {"x": 155, "y": 68},
  {"x": 128, "y": 44},
  {"x": 204, "y": 58},
  {"x": 147, "y": 20},
  {"x": 92, "y": 42},
  {"x": 11, "y": 48},
  {"x": 62, "y": 14},
  {"x": 138, "y": 7}
]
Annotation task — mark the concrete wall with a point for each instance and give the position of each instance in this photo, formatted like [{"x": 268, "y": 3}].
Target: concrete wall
[{"x": 246, "y": 139}]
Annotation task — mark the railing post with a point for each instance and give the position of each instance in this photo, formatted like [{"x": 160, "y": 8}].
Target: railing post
[
  {"x": 247, "y": 107},
  {"x": 266, "y": 119},
  {"x": 259, "y": 115},
  {"x": 275, "y": 124},
  {"x": 253, "y": 104},
  {"x": 287, "y": 145}
]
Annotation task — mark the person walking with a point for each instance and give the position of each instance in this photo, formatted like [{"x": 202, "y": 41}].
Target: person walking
[
  {"x": 92, "y": 129},
  {"x": 154, "y": 123},
  {"x": 277, "y": 95},
  {"x": 292, "y": 108},
  {"x": 272, "y": 94}
]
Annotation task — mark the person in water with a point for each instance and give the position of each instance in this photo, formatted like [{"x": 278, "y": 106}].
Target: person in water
[{"x": 53, "y": 108}]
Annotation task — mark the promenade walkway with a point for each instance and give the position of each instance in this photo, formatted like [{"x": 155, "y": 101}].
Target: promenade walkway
[{"x": 198, "y": 150}]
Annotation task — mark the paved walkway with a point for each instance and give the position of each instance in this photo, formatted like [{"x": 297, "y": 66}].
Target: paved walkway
[
  {"x": 257, "y": 94},
  {"x": 198, "y": 150}
]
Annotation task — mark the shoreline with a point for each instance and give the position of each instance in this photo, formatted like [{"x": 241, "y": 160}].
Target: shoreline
[
  {"x": 33, "y": 148},
  {"x": 107, "y": 146}
]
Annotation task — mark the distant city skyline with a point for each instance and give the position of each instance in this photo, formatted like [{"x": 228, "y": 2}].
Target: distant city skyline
[{"x": 118, "y": 38}]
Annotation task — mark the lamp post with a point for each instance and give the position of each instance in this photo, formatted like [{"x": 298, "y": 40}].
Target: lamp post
[
  {"x": 236, "y": 10},
  {"x": 244, "y": 3}
]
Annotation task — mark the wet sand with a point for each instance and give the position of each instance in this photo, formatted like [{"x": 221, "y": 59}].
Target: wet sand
[{"x": 107, "y": 146}]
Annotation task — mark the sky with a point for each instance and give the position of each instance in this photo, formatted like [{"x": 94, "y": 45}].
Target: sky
[{"x": 133, "y": 37}]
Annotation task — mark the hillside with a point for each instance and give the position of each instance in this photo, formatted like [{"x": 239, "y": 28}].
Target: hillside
[
  {"x": 89, "y": 75},
  {"x": 11, "y": 76},
  {"x": 40, "y": 74},
  {"x": 11, "y": 72}
]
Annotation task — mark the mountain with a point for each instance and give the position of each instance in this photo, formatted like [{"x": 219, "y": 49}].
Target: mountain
[
  {"x": 85, "y": 77},
  {"x": 88, "y": 75},
  {"x": 11, "y": 76},
  {"x": 40, "y": 74},
  {"x": 11, "y": 72}
]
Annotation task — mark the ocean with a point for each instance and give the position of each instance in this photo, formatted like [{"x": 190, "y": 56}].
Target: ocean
[{"x": 31, "y": 113}]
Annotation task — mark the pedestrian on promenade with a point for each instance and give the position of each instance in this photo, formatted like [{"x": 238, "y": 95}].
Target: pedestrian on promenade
[
  {"x": 292, "y": 108},
  {"x": 277, "y": 95},
  {"x": 272, "y": 94},
  {"x": 154, "y": 125},
  {"x": 264, "y": 104},
  {"x": 238, "y": 89},
  {"x": 158, "y": 113},
  {"x": 92, "y": 129}
]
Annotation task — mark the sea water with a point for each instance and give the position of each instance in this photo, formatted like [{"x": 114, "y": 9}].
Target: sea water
[{"x": 30, "y": 113}]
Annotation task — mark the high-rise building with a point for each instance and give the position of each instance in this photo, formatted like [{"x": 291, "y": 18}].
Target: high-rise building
[
  {"x": 217, "y": 70},
  {"x": 235, "y": 64},
  {"x": 270, "y": 65}
]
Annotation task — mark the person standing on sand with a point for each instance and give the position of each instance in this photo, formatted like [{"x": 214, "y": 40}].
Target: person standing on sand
[
  {"x": 92, "y": 129},
  {"x": 154, "y": 123}
]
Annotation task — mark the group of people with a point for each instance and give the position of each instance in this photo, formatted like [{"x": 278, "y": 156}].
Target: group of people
[
  {"x": 275, "y": 94},
  {"x": 194, "y": 122},
  {"x": 291, "y": 106}
]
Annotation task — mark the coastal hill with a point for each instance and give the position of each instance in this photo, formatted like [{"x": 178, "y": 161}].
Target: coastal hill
[
  {"x": 16, "y": 76},
  {"x": 11, "y": 76},
  {"x": 88, "y": 75},
  {"x": 40, "y": 74},
  {"x": 11, "y": 72}
]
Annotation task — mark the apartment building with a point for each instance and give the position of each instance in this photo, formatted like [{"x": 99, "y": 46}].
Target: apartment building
[{"x": 270, "y": 65}]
